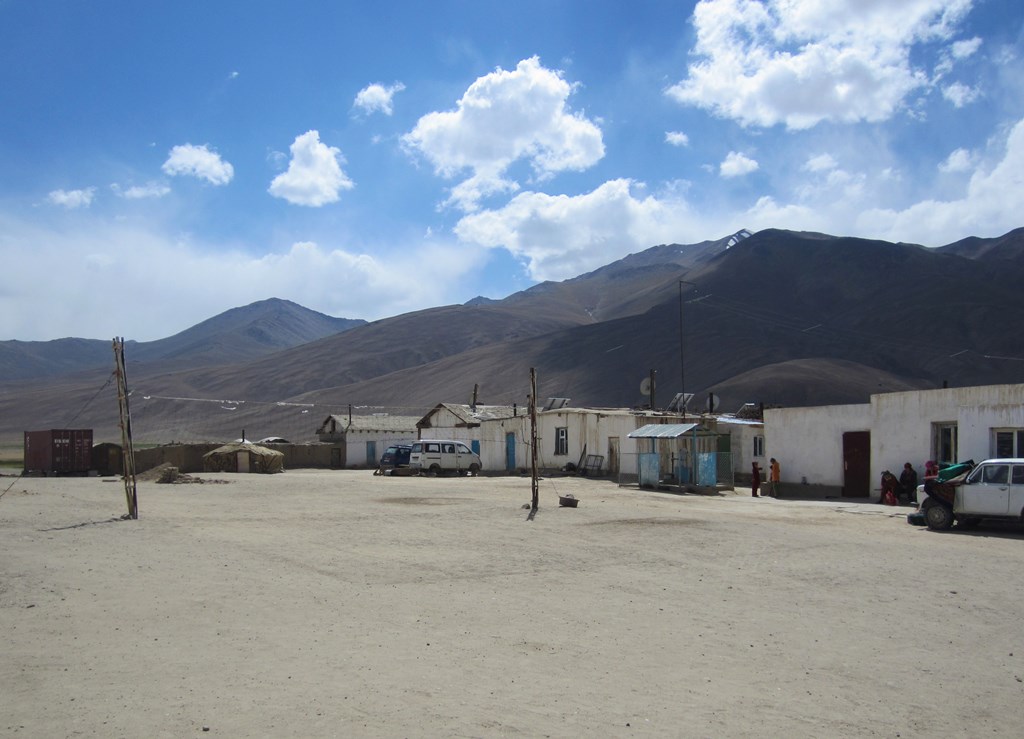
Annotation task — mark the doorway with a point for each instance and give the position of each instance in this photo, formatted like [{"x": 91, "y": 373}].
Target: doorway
[{"x": 857, "y": 464}]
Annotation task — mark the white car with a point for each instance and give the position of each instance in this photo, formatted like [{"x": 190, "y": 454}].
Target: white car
[{"x": 993, "y": 489}]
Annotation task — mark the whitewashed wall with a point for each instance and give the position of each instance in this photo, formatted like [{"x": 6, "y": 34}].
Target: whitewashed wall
[
  {"x": 902, "y": 427},
  {"x": 808, "y": 442}
]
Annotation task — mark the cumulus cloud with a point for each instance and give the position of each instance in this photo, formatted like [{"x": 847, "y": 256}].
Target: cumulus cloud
[
  {"x": 991, "y": 205},
  {"x": 46, "y": 259},
  {"x": 505, "y": 117},
  {"x": 965, "y": 48},
  {"x": 960, "y": 160},
  {"x": 198, "y": 161},
  {"x": 737, "y": 165},
  {"x": 820, "y": 163},
  {"x": 959, "y": 94},
  {"x": 376, "y": 98},
  {"x": 141, "y": 192},
  {"x": 72, "y": 198},
  {"x": 677, "y": 138},
  {"x": 561, "y": 236},
  {"x": 765, "y": 62},
  {"x": 314, "y": 176}
]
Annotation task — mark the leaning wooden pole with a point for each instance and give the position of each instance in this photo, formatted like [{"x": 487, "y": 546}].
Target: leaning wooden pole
[
  {"x": 127, "y": 447},
  {"x": 535, "y": 495}
]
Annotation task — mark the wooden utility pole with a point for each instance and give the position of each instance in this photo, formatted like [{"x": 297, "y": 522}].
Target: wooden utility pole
[
  {"x": 127, "y": 447},
  {"x": 535, "y": 495}
]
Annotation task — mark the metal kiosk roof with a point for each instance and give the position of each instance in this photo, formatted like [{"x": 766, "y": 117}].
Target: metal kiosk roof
[{"x": 663, "y": 430}]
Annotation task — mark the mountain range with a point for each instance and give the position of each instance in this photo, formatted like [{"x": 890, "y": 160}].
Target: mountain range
[{"x": 779, "y": 318}]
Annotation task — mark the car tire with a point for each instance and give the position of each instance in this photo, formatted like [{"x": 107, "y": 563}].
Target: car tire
[
  {"x": 939, "y": 517},
  {"x": 435, "y": 470},
  {"x": 474, "y": 469}
]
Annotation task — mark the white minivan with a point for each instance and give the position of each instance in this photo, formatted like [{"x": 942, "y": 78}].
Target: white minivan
[{"x": 444, "y": 455}]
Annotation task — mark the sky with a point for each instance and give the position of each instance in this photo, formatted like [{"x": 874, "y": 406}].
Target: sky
[{"x": 162, "y": 162}]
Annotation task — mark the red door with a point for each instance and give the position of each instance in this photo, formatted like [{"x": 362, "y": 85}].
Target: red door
[{"x": 857, "y": 464}]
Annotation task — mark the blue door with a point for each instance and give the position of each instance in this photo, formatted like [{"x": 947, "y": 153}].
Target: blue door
[
  {"x": 475, "y": 446},
  {"x": 510, "y": 452}
]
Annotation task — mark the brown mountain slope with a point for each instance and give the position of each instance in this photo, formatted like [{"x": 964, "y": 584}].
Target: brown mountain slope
[{"x": 782, "y": 318}]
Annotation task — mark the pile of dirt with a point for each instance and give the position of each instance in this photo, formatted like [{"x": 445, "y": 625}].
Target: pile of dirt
[{"x": 168, "y": 474}]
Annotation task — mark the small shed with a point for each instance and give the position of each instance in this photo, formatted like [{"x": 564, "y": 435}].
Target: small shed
[
  {"x": 243, "y": 457},
  {"x": 676, "y": 454},
  {"x": 107, "y": 458}
]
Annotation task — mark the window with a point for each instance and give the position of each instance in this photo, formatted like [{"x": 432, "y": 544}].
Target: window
[
  {"x": 435, "y": 448},
  {"x": 1009, "y": 443},
  {"x": 463, "y": 449},
  {"x": 945, "y": 442},
  {"x": 997, "y": 474},
  {"x": 758, "y": 446},
  {"x": 1018, "y": 474},
  {"x": 562, "y": 440},
  {"x": 448, "y": 448}
]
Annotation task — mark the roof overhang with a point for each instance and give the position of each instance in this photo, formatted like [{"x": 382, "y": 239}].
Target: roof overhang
[{"x": 663, "y": 430}]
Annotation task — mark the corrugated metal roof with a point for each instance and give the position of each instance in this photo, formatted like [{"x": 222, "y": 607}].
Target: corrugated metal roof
[{"x": 662, "y": 430}]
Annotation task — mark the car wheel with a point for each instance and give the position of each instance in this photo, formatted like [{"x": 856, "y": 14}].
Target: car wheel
[
  {"x": 435, "y": 470},
  {"x": 474, "y": 469},
  {"x": 939, "y": 517}
]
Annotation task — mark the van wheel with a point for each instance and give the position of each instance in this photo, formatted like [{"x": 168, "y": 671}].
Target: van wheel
[
  {"x": 474, "y": 469},
  {"x": 435, "y": 470}
]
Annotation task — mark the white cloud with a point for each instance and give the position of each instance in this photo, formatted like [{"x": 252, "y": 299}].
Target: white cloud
[
  {"x": 198, "y": 161},
  {"x": 72, "y": 198},
  {"x": 820, "y": 163},
  {"x": 140, "y": 192},
  {"x": 314, "y": 176},
  {"x": 965, "y": 48},
  {"x": 801, "y": 62},
  {"x": 737, "y": 165},
  {"x": 959, "y": 94},
  {"x": 677, "y": 138},
  {"x": 991, "y": 205},
  {"x": 69, "y": 260},
  {"x": 376, "y": 98},
  {"x": 502, "y": 118},
  {"x": 561, "y": 236},
  {"x": 960, "y": 160}
]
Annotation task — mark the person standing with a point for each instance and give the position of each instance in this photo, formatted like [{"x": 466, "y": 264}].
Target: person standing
[
  {"x": 775, "y": 476},
  {"x": 755, "y": 481}
]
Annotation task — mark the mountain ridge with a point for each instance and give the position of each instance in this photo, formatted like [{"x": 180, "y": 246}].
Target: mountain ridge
[{"x": 778, "y": 317}]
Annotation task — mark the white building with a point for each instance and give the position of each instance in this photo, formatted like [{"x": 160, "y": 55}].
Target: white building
[
  {"x": 358, "y": 441},
  {"x": 846, "y": 448},
  {"x": 593, "y": 439}
]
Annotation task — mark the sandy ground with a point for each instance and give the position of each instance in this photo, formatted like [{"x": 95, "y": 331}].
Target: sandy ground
[{"x": 317, "y": 603}]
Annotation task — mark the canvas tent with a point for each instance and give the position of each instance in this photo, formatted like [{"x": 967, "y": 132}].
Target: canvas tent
[{"x": 243, "y": 457}]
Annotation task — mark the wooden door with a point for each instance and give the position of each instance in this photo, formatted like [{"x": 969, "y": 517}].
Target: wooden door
[{"x": 857, "y": 464}]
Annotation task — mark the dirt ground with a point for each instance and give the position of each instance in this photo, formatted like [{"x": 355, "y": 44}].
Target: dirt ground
[{"x": 319, "y": 603}]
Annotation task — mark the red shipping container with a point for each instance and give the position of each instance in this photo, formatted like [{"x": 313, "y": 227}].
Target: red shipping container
[{"x": 58, "y": 451}]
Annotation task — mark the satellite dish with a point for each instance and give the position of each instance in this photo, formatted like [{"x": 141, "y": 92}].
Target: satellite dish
[{"x": 647, "y": 386}]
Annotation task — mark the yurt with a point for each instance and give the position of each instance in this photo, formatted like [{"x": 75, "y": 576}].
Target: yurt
[{"x": 243, "y": 457}]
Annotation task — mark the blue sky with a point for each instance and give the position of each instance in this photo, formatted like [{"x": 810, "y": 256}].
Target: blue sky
[{"x": 161, "y": 162}]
